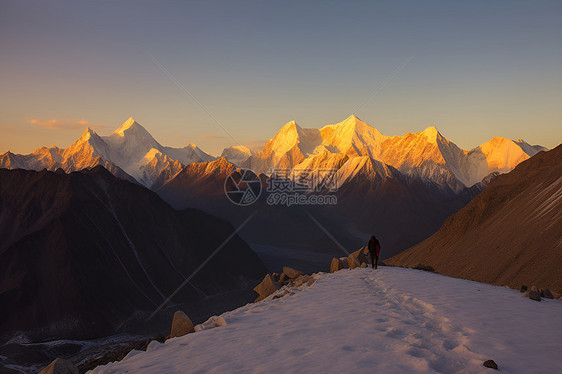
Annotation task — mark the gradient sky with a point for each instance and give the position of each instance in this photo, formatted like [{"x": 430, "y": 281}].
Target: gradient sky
[{"x": 473, "y": 69}]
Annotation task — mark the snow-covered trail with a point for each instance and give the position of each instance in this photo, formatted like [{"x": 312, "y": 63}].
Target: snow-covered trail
[{"x": 390, "y": 320}]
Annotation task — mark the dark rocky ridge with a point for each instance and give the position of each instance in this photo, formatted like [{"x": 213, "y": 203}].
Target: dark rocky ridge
[
  {"x": 400, "y": 210},
  {"x": 82, "y": 252}
]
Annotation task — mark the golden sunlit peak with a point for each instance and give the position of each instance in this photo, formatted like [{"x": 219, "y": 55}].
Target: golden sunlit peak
[
  {"x": 128, "y": 124},
  {"x": 431, "y": 132},
  {"x": 88, "y": 132},
  {"x": 129, "y": 121},
  {"x": 352, "y": 120}
]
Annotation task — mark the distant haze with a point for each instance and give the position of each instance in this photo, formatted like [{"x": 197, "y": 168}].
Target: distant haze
[{"x": 208, "y": 72}]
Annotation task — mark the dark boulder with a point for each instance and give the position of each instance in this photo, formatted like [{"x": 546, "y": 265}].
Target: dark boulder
[
  {"x": 533, "y": 295},
  {"x": 335, "y": 265},
  {"x": 546, "y": 293},
  {"x": 266, "y": 288},
  {"x": 292, "y": 273},
  {"x": 181, "y": 325},
  {"x": 491, "y": 364},
  {"x": 361, "y": 255},
  {"x": 352, "y": 261}
]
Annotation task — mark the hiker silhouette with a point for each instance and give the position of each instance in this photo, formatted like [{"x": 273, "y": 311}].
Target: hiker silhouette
[{"x": 374, "y": 250}]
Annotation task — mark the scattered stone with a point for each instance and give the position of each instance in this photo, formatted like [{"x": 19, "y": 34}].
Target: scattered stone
[
  {"x": 265, "y": 288},
  {"x": 344, "y": 263},
  {"x": 491, "y": 364},
  {"x": 425, "y": 268},
  {"x": 362, "y": 255},
  {"x": 546, "y": 293},
  {"x": 523, "y": 288},
  {"x": 275, "y": 277},
  {"x": 283, "y": 278},
  {"x": 283, "y": 292},
  {"x": 211, "y": 323},
  {"x": 533, "y": 295},
  {"x": 181, "y": 325},
  {"x": 335, "y": 265},
  {"x": 534, "y": 288},
  {"x": 153, "y": 345},
  {"x": 300, "y": 281},
  {"x": 60, "y": 366},
  {"x": 352, "y": 261},
  {"x": 311, "y": 281},
  {"x": 292, "y": 273},
  {"x": 363, "y": 265}
]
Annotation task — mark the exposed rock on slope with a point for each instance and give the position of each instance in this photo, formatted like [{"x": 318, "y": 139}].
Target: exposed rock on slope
[
  {"x": 81, "y": 252},
  {"x": 510, "y": 234}
]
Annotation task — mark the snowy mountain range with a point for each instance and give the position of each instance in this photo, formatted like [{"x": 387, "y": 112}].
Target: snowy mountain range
[
  {"x": 427, "y": 155},
  {"x": 131, "y": 151}
]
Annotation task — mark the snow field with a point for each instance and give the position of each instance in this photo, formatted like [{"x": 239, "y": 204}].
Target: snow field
[{"x": 390, "y": 320}]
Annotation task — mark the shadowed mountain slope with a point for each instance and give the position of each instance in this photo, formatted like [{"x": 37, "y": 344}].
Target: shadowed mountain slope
[
  {"x": 510, "y": 234},
  {"x": 82, "y": 252}
]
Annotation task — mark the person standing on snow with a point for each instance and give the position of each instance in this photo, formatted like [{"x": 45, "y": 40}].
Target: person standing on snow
[{"x": 374, "y": 250}]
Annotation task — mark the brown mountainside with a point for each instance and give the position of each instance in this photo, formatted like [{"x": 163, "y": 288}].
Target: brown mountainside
[{"x": 510, "y": 234}]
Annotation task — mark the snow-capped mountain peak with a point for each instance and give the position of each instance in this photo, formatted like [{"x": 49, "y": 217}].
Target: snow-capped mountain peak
[
  {"x": 131, "y": 137},
  {"x": 529, "y": 149},
  {"x": 286, "y": 138},
  {"x": 432, "y": 134},
  {"x": 91, "y": 140},
  {"x": 237, "y": 154},
  {"x": 502, "y": 154},
  {"x": 353, "y": 136},
  {"x": 286, "y": 149},
  {"x": 129, "y": 124},
  {"x": 86, "y": 135}
]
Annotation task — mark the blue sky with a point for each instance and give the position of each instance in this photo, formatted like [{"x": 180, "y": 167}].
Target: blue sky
[{"x": 188, "y": 71}]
